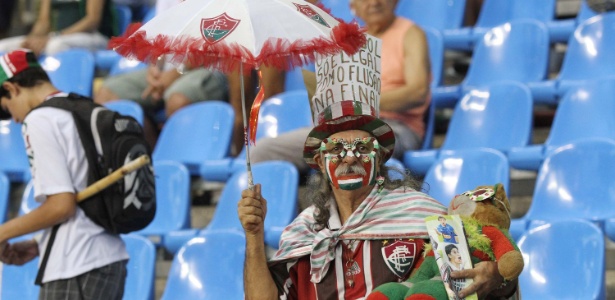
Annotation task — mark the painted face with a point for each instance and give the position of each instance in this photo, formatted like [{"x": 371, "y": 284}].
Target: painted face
[{"x": 350, "y": 177}]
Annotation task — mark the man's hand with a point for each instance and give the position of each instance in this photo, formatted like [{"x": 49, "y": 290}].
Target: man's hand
[
  {"x": 158, "y": 81},
  {"x": 19, "y": 253},
  {"x": 486, "y": 279},
  {"x": 252, "y": 209}
]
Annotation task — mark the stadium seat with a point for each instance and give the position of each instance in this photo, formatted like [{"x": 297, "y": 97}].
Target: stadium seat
[
  {"x": 499, "y": 117},
  {"x": 589, "y": 56},
  {"x": 127, "y": 108},
  {"x": 515, "y": 51},
  {"x": 339, "y": 9},
  {"x": 18, "y": 281},
  {"x": 5, "y": 188},
  {"x": 457, "y": 171},
  {"x": 563, "y": 260},
  {"x": 561, "y": 30},
  {"x": 124, "y": 17},
  {"x": 208, "y": 267},
  {"x": 573, "y": 183},
  {"x": 281, "y": 113},
  {"x": 294, "y": 80},
  {"x": 71, "y": 70},
  {"x": 141, "y": 268},
  {"x": 437, "y": 14},
  {"x": 279, "y": 181},
  {"x": 172, "y": 200},
  {"x": 495, "y": 13},
  {"x": 124, "y": 65},
  {"x": 196, "y": 133},
  {"x": 584, "y": 111},
  {"x": 13, "y": 158}
]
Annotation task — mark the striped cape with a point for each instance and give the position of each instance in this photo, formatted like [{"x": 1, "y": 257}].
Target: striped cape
[{"x": 385, "y": 214}]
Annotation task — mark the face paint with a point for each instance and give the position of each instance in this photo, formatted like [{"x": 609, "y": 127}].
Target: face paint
[{"x": 335, "y": 150}]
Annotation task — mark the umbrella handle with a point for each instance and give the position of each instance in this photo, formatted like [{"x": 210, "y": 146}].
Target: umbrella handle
[{"x": 245, "y": 129}]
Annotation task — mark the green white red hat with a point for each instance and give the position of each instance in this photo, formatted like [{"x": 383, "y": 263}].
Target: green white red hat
[
  {"x": 15, "y": 62},
  {"x": 348, "y": 101}
]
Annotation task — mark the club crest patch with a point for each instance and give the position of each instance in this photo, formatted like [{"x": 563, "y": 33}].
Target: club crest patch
[
  {"x": 217, "y": 28},
  {"x": 311, "y": 13},
  {"x": 399, "y": 257}
]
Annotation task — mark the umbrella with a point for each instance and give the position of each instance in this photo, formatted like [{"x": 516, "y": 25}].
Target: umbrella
[{"x": 228, "y": 34}]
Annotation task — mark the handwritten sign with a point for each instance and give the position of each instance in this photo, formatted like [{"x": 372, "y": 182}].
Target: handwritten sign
[{"x": 342, "y": 77}]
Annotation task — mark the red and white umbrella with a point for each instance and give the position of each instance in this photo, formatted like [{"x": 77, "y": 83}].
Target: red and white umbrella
[{"x": 228, "y": 34}]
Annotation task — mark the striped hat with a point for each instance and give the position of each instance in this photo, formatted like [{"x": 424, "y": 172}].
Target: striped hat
[
  {"x": 16, "y": 62},
  {"x": 347, "y": 97}
]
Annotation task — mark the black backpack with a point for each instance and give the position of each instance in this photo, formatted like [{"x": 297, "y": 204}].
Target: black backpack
[{"x": 111, "y": 140}]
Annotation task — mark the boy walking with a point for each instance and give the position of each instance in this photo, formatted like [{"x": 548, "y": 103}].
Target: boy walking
[{"x": 85, "y": 261}]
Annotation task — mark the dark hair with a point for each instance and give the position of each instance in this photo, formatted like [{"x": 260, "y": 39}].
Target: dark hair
[
  {"x": 449, "y": 248},
  {"x": 441, "y": 217},
  {"x": 29, "y": 77}
]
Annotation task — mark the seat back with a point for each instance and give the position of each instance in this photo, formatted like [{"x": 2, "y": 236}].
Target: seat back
[
  {"x": 293, "y": 80},
  {"x": 499, "y": 116},
  {"x": 195, "y": 133},
  {"x": 71, "y": 70},
  {"x": 141, "y": 268},
  {"x": 279, "y": 182},
  {"x": 590, "y": 54},
  {"x": 436, "y": 54},
  {"x": 513, "y": 51},
  {"x": 124, "y": 17},
  {"x": 5, "y": 188},
  {"x": 457, "y": 171},
  {"x": 125, "y": 65},
  {"x": 283, "y": 113},
  {"x": 437, "y": 14},
  {"x": 18, "y": 281},
  {"x": 208, "y": 267},
  {"x": 339, "y": 9},
  {"x": 13, "y": 158},
  {"x": 585, "y": 111},
  {"x": 495, "y": 12},
  {"x": 575, "y": 181},
  {"x": 127, "y": 108},
  {"x": 557, "y": 264},
  {"x": 172, "y": 199}
]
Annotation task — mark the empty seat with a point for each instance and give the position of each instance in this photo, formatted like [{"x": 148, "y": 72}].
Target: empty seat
[
  {"x": 71, "y": 70},
  {"x": 208, "y": 267},
  {"x": 141, "y": 268},
  {"x": 437, "y": 14},
  {"x": 563, "y": 260},
  {"x": 457, "y": 171},
  {"x": 196, "y": 133},
  {"x": 127, "y": 108},
  {"x": 498, "y": 116},
  {"x": 13, "y": 158}
]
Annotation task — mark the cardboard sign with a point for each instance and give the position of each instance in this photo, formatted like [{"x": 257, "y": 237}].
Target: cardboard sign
[{"x": 349, "y": 78}]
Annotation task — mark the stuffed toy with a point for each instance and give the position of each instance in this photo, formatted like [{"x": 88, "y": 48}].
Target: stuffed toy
[{"x": 485, "y": 213}]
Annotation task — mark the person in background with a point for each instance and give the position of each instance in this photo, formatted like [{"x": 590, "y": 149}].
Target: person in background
[{"x": 63, "y": 25}]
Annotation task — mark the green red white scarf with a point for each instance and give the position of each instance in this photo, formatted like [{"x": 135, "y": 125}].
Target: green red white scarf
[{"x": 385, "y": 214}]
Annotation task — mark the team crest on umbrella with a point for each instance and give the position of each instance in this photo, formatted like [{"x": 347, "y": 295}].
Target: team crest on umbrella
[
  {"x": 312, "y": 14},
  {"x": 217, "y": 28}
]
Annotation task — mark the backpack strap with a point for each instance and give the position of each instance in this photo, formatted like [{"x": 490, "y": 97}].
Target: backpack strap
[{"x": 41, "y": 269}]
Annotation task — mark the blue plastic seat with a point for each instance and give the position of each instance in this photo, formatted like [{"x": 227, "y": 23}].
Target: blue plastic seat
[
  {"x": 124, "y": 65},
  {"x": 563, "y": 260},
  {"x": 515, "y": 51},
  {"x": 339, "y": 9},
  {"x": 294, "y": 80},
  {"x": 589, "y": 56},
  {"x": 141, "y": 268},
  {"x": 561, "y": 30},
  {"x": 499, "y": 117},
  {"x": 457, "y": 171},
  {"x": 585, "y": 111},
  {"x": 172, "y": 200},
  {"x": 13, "y": 158},
  {"x": 279, "y": 181},
  {"x": 5, "y": 187},
  {"x": 196, "y": 133},
  {"x": 18, "y": 281},
  {"x": 573, "y": 183},
  {"x": 208, "y": 267},
  {"x": 124, "y": 17},
  {"x": 437, "y": 14},
  {"x": 127, "y": 108},
  {"x": 71, "y": 70},
  {"x": 281, "y": 113},
  {"x": 495, "y": 13}
]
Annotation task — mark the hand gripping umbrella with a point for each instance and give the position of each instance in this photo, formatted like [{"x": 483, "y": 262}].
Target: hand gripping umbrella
[{"x": 231, "y": 35}]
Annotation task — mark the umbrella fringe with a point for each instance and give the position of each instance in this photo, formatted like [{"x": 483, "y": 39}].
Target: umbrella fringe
[{"x": 277, "y": 53}]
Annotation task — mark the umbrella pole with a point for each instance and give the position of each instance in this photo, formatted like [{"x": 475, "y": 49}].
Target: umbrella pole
[{"x": 245, "y": 128}]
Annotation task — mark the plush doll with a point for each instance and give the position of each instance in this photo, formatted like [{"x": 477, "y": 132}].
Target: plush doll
[{"x": 485, "y": 213}]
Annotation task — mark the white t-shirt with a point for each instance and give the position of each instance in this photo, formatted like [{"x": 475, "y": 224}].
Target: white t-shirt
[{"x": 58, "y": 164}]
